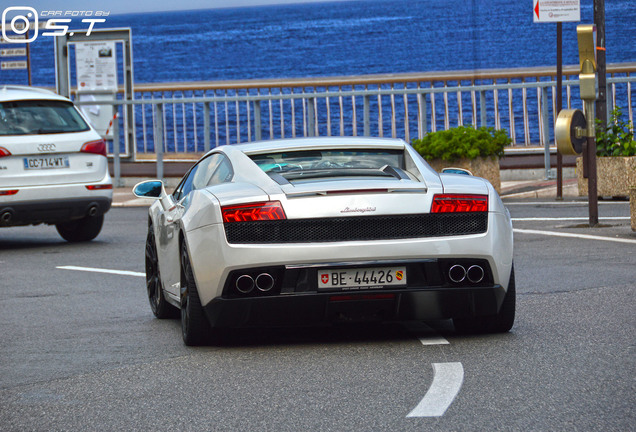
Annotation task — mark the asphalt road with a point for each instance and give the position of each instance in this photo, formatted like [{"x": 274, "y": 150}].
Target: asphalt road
[{"x": 80, "y": 350}]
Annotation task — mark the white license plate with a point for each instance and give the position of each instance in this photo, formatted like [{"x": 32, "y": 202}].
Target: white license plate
[
  {"x": 46, "y": 162},
  {"x": 350, "y": 279}
]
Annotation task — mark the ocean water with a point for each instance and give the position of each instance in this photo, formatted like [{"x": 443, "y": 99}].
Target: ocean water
[
  {"x": 345, "y": 38},
  {"x": 338, "y": 38}
]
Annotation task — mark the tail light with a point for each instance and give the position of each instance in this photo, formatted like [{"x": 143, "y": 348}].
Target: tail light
[
  {"x": 99, "y": 187},
  {"x": 96, "y": 147},
  {"x": 265, "y": 211},
  {"x": 8, "y": 192},
  {"x": 456, "y": 203},
  {"x": 4, "y": 152}
]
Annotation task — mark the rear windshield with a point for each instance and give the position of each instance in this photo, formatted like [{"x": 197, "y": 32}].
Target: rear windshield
[
  {"x": 35, "y": 117},
  {"x": 306, "y": 164}
]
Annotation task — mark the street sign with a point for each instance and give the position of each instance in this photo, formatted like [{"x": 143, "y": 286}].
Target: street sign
[
  {"x": 20, "y": 25},
  {"x": 13, "y": 37},
  {"x": 13, "y": 52},
  {"x": 548, "y": 11},
  {"x": 21, "y": 64}
]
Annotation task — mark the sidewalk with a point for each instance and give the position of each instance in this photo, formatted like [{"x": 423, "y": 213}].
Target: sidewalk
[{"x": 123, "y": 197}]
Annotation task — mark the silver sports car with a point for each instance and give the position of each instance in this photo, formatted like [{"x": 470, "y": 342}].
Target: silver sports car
[{"x": 327, "y": 230}]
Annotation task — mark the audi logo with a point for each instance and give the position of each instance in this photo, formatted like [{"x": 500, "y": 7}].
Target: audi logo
[{"x": 46, "y": 147}]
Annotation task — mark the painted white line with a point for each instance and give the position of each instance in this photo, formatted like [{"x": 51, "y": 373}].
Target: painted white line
[
  {"x": 447, "y": 380},
  {"x": 570, "y": 235},
  {"x": 583, "y": 218},
  {"x": 426, "y": 335},
  {"x": 564, "y": 203},
  {"x": 98, "y": 270}
]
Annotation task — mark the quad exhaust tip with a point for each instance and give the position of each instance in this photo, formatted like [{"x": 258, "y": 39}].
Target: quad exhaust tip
[
  {"x": 458, "y": 273},
  {"x": 475, "y": 274},
  {"x": 264, "y": 282},
  {"x": 245, "y": 283}
]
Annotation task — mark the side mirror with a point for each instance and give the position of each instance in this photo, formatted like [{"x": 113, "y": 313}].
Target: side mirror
[
  {"x": 461, "y": 171},
  {"x": 154, "y": 189},
  {"x": 149, "y": 189}
]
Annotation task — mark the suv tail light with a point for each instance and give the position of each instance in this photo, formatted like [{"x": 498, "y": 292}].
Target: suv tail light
[
  {"x": 96, "y": 147},
  {"x": 457, "y": 203},
  {"x": 4, "y": 152},
  {"x": 271, "y": 210}
]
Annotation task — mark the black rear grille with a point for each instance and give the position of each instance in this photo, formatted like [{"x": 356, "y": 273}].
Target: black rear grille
[{"x": 356, "y": 228}]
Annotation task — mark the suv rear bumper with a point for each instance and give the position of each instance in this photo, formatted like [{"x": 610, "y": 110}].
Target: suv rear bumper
[{"x": 52, "y": 211}]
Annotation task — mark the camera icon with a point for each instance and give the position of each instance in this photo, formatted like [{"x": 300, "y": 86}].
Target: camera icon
[{"x": 20, "y": 23}]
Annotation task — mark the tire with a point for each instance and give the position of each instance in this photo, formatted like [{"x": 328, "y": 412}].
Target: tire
[
  {"x": 154, "y": 288},
  {"x": 195, "y": 327},
  {"x": 81, "y": 230},
  {"x": 502, "y": 322}
]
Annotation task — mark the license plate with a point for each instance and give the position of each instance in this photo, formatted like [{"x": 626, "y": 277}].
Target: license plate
[
  {"x": 370, "y": 278},
  {"x": 46, "y": 162}
]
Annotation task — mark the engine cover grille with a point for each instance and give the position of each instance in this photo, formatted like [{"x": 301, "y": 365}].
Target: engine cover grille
[{"x": 356, "y": 228}]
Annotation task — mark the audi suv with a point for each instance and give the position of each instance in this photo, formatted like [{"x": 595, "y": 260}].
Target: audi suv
[{"x": 53, "y": 165}]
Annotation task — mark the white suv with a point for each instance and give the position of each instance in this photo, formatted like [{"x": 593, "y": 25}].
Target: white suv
[{"x": 53, "y": 165}]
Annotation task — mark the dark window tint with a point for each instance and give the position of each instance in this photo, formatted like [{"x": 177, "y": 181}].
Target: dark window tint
[{"x": 33, "y": 117}]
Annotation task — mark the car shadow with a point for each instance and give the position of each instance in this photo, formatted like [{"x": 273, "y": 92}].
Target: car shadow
[
  {"x": 24, "y": 243},
  {"x": 337, "y": 334}
]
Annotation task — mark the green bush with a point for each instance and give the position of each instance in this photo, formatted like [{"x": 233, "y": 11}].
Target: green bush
[
  {"x": 617, "y": 139},
  {"x": 462, "y": 142}
]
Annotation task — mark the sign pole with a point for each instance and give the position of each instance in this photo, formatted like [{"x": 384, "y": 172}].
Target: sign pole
[
  {"x": 559, "y": 105},
  {"x": 28, "y": 57},
  {"x": 601, "y": 102}
]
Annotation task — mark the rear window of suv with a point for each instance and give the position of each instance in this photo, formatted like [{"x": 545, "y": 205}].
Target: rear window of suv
[{"x": 35, "y": 117}]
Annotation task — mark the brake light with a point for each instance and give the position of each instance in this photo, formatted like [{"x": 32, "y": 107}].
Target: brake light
[
  {"x": 4, "y": 152},
  {"x": 8, "y": 192},
  {"x": 99, "y": 187},
  {"x": 96, "y": 147},
  {"x": 456, "y": 203},
  {"x": 272, "y": 210}
]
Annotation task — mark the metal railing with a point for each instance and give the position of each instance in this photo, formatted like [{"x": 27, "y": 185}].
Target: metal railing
[{"x": 187, "y": 119}]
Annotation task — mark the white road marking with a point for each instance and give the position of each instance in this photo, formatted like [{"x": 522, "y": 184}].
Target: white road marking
[
  {"x": 447, "y": 381},
  {"x": 98, "y": 270},
  {"x": 567, "y": 218},
  {"x": 429, "y": 338},
  {"x": 564, "y": 203},
  {"x": 571, "y": 235}
]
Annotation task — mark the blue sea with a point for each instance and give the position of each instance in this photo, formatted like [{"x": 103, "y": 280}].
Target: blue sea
[{"x": 345, "y": 38}]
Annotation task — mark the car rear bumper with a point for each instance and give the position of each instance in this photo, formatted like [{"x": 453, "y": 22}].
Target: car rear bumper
[
  {"x": 376, "y": 306},
  {"x": 53, "y": 211},
  {"x": 52, "y": 204}
]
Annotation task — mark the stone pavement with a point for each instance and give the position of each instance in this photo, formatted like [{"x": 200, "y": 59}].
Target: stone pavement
[{"x": 123, "y": 197}]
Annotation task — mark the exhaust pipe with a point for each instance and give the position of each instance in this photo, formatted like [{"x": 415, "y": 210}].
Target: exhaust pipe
[
  {"x": 6, "y": 217},
  {"x": 92, "y": 210},
  {"x": 245, "y": 283},
  {"x": 475, "y": 274},
  {"x": 457, "y": 273},
  {"x": 264, "y": 282}
]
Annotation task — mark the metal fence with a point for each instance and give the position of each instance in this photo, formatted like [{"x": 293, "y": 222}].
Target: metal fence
[{"x": 187, "y": 119}]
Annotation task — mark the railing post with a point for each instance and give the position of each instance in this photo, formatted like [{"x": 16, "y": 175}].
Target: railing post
[
  {"x": 546, "y": 131},
  {"x": 206, "y": 126},
  {"x": 158, "y": 139},
  {"x": 116, "y": 158},
  {"x": 257, "y": 120},
  {"x": 482, "y": 108},
  {"x": 311, "y": 118},
  {"x": 367, "y": 116},
  {"x": 609, "y": 99},
  {"x": 423, "y": 116}
]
